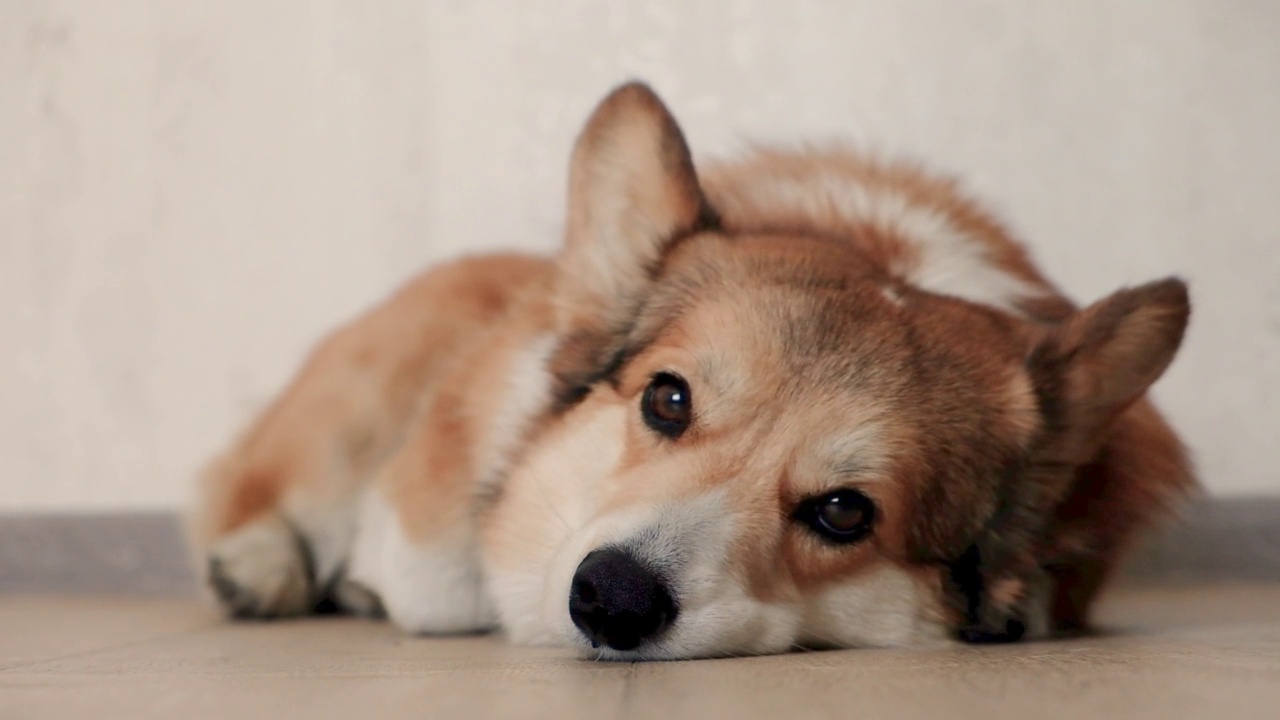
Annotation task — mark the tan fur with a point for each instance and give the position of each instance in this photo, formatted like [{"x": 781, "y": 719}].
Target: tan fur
[
  {"x": 359, "y": 387},
  {"x": 841, "y": 323}
]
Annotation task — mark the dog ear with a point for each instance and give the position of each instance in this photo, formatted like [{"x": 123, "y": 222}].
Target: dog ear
[
  {"x": 1087, "y": 371},
  {"x": 632, "y": 192},
  {"x": 1100, "y": 360}
]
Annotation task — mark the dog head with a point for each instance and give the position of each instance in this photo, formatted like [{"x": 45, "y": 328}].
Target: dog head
[{"x": 763, "y": 441}]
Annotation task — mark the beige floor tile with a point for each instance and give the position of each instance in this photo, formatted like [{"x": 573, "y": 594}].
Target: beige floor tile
[
  {"x": 1171, "y": 653},
  {"x": 552, "y": 691},
  {"x": 33, "y": 629},
  {"x": 1128, "y": 677},
  {"x": 308, "y": 648}
]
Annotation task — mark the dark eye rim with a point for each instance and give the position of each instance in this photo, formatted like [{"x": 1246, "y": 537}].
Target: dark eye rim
[
  {"x": 809, "y": 512},
  {"x": 671, "y": 429}
]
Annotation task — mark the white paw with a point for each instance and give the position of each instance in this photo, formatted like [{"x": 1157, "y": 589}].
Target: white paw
[{"x": 261, "y": 571}]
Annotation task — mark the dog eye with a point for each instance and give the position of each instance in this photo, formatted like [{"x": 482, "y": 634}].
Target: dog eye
[
  {"x": 844, "y": 516},
  {"x": 666, "y": 406}
]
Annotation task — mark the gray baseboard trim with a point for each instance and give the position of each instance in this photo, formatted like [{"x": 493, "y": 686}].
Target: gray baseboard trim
[
  {"x": 142, "y": 553},
  {"x": 1219, "y": 540},
  {"x": 1215, "y": 540}
]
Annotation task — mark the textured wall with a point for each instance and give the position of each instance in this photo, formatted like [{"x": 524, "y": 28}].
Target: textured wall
[{"x": 191, "y": 191}]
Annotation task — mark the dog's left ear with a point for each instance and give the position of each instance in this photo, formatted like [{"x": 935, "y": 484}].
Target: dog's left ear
[
  {"x": 1088, "y": 370},
  {"x": 632, "y": 191},
  {"x": 1100, "y": 360}
]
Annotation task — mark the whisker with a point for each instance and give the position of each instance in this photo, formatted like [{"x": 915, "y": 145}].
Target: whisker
[{"x": 546, "y": 499}]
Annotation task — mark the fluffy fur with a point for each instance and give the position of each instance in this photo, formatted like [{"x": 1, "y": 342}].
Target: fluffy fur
[{"x": 453, "y": 455}]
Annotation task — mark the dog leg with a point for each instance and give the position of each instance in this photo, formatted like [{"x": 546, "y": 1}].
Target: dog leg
[{"x": 426, "y": 586}]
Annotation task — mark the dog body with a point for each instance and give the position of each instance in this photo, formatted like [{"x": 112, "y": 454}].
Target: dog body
[{"x": 799, "y": 399}]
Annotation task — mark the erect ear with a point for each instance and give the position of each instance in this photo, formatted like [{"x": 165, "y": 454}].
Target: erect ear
[
  {"x": 632, "y": 191},
  {"x": 1086, "y": 371},
  {"x": 1103, "y": 358}
]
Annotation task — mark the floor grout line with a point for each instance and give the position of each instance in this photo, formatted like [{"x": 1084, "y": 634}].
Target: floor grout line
[{"x": 104, "y": 649}]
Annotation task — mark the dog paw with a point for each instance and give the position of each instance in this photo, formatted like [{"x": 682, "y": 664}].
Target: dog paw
[
  {"x": 357, "y": 599},
  {"x": 261, "y": 571}
]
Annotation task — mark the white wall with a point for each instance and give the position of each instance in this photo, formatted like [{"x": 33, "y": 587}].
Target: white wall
[{"x": 191, "y": 191}]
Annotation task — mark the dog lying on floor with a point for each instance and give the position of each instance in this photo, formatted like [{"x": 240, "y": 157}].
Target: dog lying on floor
[{"x": 793, "y": 400}]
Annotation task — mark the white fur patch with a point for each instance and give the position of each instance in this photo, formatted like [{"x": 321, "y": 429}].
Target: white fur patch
[
  {"x": 884, "y": 607},
  {"x": 951, "y": 261},
  {"x": 545, "y": 504},
  {"x": 434, "y": 587},
  {"x": 527, "y": 390},
  {"x": 892, "y": 295}
]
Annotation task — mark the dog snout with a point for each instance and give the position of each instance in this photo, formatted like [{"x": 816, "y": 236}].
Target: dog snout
[{"x": 618, "y": 602}]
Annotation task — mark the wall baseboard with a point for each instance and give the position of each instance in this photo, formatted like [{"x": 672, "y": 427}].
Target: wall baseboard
[
  {"x": 141, "y": 553},
  {"x": 145, "y": 553},
  {"x": 1215, "y": 540}
]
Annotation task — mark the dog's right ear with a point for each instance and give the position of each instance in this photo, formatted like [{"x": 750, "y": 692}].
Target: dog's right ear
[{"x": 632, "y": 191}]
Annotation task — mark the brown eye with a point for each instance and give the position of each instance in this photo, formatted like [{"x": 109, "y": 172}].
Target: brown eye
[
  {"x": 666, "y": 406},
  {"x": 843, "y": 516}
]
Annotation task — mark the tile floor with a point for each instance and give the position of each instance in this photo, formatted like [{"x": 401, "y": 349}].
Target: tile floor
[{"x": 1209, "y": 652}]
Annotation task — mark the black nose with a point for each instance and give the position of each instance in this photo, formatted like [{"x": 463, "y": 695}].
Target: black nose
[{"x": 618, "y": 602}]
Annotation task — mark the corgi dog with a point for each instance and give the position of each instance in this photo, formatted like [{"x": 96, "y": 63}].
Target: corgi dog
[{"x": 798, "y": 399}]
